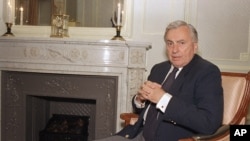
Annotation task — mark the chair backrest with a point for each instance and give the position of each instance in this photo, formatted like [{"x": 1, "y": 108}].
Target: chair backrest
[{"x": 236, "y": 87}]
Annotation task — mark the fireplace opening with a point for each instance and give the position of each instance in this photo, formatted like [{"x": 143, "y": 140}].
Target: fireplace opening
[
  {"x": 29, "y": 101},
  {"x": 62, "y": 127},
  {"x": 55, "y": 118}
]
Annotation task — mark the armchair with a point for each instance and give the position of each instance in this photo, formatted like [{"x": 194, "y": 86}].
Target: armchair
[{"x": 236, "y": 102}]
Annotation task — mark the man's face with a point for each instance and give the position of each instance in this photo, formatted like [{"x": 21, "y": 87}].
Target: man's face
[{"x": 180, "y": 46}]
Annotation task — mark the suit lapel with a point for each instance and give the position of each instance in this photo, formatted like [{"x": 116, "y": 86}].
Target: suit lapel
[{"x": 182, "y": 76}]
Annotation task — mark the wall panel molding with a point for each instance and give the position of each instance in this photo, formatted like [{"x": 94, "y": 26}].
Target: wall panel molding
[{"x": 224, "y": 32}]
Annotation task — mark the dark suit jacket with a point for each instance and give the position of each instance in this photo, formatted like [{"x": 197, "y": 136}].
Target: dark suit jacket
[{"x": 196, "y": 106}]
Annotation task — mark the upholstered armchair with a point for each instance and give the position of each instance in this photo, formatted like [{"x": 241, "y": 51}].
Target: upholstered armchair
[{"x": 236, "y": 88}]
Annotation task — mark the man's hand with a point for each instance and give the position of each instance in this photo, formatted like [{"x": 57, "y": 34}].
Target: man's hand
[{"x": 150, "y": 91}]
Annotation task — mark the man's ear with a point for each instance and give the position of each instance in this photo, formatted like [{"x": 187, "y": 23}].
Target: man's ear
[{"x": 196, "y": 47}]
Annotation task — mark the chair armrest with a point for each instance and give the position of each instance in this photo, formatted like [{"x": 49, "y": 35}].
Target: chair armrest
[
  {"x": 127, "y": 117},
  {"x": 220, "y": 133}
]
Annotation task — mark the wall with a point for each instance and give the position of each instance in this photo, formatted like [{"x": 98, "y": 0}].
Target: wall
[{"x": 223, "y": 32}]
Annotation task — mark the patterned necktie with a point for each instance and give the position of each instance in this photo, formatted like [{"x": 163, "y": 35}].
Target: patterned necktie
[
  {"x": 150, "y": 125},
  {"x": 170, "y": 80}
]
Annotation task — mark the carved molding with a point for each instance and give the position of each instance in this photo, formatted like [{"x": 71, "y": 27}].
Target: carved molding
[{"x": 136, "y": 77}]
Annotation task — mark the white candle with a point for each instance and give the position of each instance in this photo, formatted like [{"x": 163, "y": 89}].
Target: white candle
[
  {"x": 119, "y": 14},
  {"x": 9, "y": 12},
  {"x": 21, "y": 15}
]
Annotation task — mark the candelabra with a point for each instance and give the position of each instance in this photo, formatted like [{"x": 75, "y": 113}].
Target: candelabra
[{"x": 8, "y": 33}]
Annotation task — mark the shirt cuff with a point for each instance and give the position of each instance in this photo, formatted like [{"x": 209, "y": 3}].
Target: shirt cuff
[
  {"x": 138, "y": 104},
  {"x": 163, "y": 103}
]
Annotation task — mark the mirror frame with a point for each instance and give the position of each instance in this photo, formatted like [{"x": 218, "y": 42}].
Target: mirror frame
[{"x": 79, "y": 32}]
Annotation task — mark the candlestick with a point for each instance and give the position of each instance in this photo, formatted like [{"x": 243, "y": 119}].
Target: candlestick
[
  {"x": 118, "y": 32},
  {"x": 8, "y": 33},
  {"x": 117, "y": 20},
  {"x": 8, "y": 16},
  {"x": 21, "y": 15},
  {"x": 119, "y": 15}
]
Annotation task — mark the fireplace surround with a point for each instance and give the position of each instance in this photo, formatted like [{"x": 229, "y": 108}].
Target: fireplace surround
[{"x": 118, "y": 68}]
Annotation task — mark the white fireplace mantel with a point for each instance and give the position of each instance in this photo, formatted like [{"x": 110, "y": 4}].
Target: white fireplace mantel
[{"x": 124, "y": 59}]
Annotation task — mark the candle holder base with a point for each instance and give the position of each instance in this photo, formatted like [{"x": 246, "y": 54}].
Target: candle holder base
[
  {"x": 118, "y": 38},
  {"x": 118, "y": 32},
  {"x": 8, "y": 33}
]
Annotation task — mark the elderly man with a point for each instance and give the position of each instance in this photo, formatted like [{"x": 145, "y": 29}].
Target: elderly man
[{"x": 191, "y": 103}]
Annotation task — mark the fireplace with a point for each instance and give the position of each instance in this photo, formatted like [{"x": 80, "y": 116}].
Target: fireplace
[
  {"x": 30, "y": 99},
  {"x": 44, "y": 77}
]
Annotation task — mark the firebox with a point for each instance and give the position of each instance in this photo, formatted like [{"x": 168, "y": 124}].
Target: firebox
[{"x": 65, "y": 128}]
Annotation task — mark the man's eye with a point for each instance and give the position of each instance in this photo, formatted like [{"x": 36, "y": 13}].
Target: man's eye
[
  {"x": 169, "y": 43},
  {"x": 181, "y": 43}
]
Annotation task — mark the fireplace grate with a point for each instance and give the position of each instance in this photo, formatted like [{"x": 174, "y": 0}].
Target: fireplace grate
[{"x": 62, "y": 127}]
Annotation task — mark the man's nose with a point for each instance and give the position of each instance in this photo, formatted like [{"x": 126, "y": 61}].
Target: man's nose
[{"x": 175, "y": 47}]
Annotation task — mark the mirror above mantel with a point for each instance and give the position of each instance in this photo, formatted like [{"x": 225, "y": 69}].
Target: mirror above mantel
[
  {"x": 93, "y": 22},
  {"x": 82, "y": 13}
]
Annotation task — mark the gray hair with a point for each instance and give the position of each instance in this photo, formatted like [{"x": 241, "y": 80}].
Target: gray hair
[{"x": 180, "y": 23}]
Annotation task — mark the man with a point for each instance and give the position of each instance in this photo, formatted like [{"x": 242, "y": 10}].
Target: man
[{"x": 192, "y": 105}]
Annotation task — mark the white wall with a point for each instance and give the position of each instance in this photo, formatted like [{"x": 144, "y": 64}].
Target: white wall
[
  {"x": 221, "y": 40},
  {"x": 150, "y": 19},
  {"x": 2, "y": 27},
  {"x": 223, "y": 28}
]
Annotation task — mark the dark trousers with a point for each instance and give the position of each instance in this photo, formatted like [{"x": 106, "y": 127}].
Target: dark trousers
[{"x": 139, "y": 137}]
